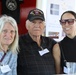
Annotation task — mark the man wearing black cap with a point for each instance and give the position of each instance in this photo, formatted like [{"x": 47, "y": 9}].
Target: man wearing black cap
[{"x": 38, "y": 55}]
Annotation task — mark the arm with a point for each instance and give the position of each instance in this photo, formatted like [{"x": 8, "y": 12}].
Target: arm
[{"x": 56, "y": 54}]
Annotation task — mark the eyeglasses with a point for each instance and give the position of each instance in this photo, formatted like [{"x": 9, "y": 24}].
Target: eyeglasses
[{"x": 69, "y": 21}]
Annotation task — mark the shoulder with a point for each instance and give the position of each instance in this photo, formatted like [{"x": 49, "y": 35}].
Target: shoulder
[
  {"x": 56, "y": 46},
  {"x": 11, "y": 56},
  {"x": 49, "y": 42},
  {"x": 22, "y": 36},
  {"x": 49, "y": 39},
  {"x": 56, "y": 50},
  {"x": 14, "y": 55}
]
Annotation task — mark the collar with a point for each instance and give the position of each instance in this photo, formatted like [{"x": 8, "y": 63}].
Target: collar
[
  {"x": 30, "y": 40},
  {"x": 71, "y": 38}
]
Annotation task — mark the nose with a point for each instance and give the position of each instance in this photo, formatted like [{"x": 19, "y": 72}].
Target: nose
[
  {"x": 37, "y": 24},
  {"x": 66, "y": 23},
  {"x": 8, "y": 33}
]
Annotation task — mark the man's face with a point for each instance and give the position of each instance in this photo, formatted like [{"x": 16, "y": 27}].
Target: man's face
[{"x": 36, "y": 27}]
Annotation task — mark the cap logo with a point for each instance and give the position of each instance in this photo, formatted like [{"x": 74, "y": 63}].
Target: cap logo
[{"x": 36, "y": 12}]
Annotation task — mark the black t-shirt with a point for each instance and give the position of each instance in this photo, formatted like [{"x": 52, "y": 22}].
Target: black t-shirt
[{"x": 68, "y": 51}]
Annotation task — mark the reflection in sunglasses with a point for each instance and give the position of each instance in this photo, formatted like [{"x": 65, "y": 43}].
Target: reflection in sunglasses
[{"x": 69, "y": 21}]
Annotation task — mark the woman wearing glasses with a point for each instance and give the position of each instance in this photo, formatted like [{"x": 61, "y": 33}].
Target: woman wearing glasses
[{"x": 68, "y": 44}]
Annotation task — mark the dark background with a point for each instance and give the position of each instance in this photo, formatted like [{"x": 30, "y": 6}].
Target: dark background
[{"x": 24, "y": 7}]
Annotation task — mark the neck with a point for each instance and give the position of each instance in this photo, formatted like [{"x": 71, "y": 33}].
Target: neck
[
  {"x": 71, "y": 36},
  {"x": 36, "y": 39},
  {"x": 5, "y": 48}
]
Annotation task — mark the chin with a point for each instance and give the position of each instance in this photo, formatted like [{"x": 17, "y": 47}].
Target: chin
[
  {"x": 8, "y": 43},
  {"x": 37, "y": 34},
  {"x": 68, "y": 34}
]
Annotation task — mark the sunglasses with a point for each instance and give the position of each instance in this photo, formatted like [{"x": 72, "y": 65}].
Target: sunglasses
[{"x": 69, "y": 21}]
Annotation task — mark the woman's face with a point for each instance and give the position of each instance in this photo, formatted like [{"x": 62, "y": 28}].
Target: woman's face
[
  {"x": 7, "y": 35},
  {"x": 69, "y": 24}
]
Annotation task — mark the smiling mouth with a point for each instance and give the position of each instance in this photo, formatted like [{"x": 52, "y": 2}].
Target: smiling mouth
[{"x": 67, "y": 28}]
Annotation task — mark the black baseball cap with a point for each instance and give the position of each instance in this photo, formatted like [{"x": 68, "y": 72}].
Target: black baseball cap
[{"x": 36, "y": 14}]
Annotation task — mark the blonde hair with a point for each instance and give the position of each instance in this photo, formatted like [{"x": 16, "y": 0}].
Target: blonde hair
[{"x": 14, "y": 47}]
